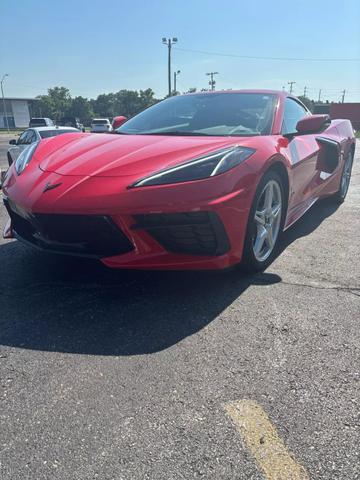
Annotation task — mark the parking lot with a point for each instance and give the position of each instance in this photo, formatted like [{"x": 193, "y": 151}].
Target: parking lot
[{"x": 168, "y": 375}]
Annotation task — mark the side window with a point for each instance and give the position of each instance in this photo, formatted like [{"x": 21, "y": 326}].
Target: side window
[
  {"x": 22, "y": 138},
  {"x": 31, "y": 137},
  {"x": 292, "y": 114}
]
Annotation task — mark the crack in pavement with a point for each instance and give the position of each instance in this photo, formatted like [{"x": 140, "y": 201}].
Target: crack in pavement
[
  {"x": 343, "y": 288},
  {"x": 66, "y": 285},
  {"x": 340, "y": 288}
]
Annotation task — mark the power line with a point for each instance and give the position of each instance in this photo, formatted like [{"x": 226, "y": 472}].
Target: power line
[{"x": 205, "y": 52}]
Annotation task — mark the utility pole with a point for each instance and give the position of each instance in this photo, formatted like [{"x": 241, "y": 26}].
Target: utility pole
[
  {"x": 176, "y": 73},
  {"x": 3, "y": 99},
  {"x": 305, "y": 91},
  {"x": 169, "y": 43},
  {"x": 343, "y": 96},
  {"x": 291, "y": 86},
  {"x": 319, "y": 95},
  {"x": 212, "y": 81}
]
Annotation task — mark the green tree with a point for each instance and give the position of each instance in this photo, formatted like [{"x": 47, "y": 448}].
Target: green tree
[
  {"x": 127, "y": 102},
  {"x": 104, "y": 105},
  {"x": 61, "y": 99},
  {"x": 147, "y": 98},
  {"x": 81, "y": 108},
  {"x": 123, "y": 102},
  {"x": 58, "y": 103},
  {"x": 43, "y": 107},
  {"x": 55, "y": 104}
]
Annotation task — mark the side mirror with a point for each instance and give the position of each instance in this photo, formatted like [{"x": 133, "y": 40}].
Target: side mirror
[
  {"x": 312, "y": 124},
  {"x": 118, "y": 121},
  {"x": 13, "y": 142}
]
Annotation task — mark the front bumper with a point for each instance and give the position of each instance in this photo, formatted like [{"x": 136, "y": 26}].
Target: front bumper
[{"x": 199, "y": 225}]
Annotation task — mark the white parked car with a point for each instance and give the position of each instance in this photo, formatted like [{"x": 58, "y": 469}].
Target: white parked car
[
  {"x": 32, "y": 135},
  {"x": 102, "y": 125}
]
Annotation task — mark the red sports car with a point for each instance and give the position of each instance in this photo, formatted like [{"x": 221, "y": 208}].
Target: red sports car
[{"x": 200, "y": 181}]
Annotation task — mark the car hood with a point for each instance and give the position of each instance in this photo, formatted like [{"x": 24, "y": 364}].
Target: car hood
[{"x": 124, "y": 155}]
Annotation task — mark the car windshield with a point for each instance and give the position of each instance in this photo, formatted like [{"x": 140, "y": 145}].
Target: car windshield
[
  {"x": 99, "y": 122},
  {"x": 53, "y": 133},
  {"x": 214, "y": 114}
]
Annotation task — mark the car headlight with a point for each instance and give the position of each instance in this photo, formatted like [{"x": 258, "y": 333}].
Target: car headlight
[
  {"x": 199, "y": 168},
  {"x": 24, "y": 158}
]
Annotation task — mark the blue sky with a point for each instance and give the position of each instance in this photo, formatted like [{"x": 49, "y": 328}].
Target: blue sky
[{"x": 96, "y": 46}]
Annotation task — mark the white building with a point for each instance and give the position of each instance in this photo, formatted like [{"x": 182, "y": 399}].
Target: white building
[{"x": 16, "y": 111}]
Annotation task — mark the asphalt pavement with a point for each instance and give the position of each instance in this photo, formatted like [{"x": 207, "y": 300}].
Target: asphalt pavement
[{"x": 134, "y": 375}]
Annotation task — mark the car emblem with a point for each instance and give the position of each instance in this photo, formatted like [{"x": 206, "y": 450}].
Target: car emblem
[{"x": 50, "y": 186}]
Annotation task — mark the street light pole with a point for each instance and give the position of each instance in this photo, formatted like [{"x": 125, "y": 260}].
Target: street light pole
[
  {"x": 169, "y": 43},
  {"x": 176, "y": 73},
  {"x": 212, "y": 81},
  {"x": 3, "y": 99}
]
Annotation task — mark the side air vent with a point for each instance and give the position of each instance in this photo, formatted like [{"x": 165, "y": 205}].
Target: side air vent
[{"x": 329, "y": 155}]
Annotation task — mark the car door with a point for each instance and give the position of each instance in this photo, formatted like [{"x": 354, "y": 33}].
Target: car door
[{"x": 302, "y": 152}]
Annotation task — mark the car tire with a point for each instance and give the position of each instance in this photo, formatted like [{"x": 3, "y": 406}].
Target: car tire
[
  {"x": 265, "y": 224},
  {"x": 340, "y": 195}
]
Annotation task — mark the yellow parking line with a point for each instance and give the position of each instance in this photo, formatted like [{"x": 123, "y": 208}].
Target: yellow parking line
[{"x": 263, "y": 441}]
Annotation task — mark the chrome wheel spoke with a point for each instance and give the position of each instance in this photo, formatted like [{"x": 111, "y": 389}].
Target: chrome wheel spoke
[
  {"x": 260, "y": 217},
  {"x": 260, "y": 239},
  {"x": 276, "y": 210},
  {"x": 270, "y": 238}
]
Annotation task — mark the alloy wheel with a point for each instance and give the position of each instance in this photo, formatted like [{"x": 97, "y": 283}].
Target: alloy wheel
[{"x": 267, "y": 220}]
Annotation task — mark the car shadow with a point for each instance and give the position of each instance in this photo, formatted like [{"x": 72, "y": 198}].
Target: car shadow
[
  {"x": 62, "y": 304},
  {"x": 309, "y": 222}
]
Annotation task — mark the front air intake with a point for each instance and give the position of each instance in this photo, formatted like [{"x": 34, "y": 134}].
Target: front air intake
[
  {"x": 192, "y": 233},
  {"x": 84, "y": 235}
]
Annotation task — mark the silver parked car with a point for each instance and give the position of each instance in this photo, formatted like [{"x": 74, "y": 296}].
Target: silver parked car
[{"x": 32, "y": 135}]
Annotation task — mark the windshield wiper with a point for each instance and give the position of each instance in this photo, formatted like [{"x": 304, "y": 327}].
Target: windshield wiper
[
  {"x": 181, "y": 133},
  {"x": 177, "y": 133}
]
